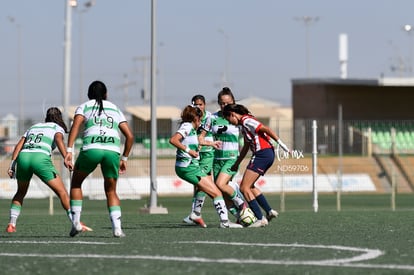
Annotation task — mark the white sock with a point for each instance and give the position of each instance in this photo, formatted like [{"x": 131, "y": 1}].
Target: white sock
[
  {"x": 199, "y": 202},
  {"x": 115, "y": 216},
  {"x": 221, "y": 208},
  {"x": 76, "y": 209},
  {"x": 238, "y": 201},
  {"x": 14, "y": 213}
]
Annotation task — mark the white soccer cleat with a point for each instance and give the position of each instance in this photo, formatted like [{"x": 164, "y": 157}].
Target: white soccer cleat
[
  {"x": 187, "y": 220},
  {"x": 85, "y": 227},
  {"x": 76, "y": 229},
  {"x": 118, "y": 233},
  {"x": 260, "y": 223},
  {"x": 272, "y": 214},
  {"x": 228, "y": 224}
]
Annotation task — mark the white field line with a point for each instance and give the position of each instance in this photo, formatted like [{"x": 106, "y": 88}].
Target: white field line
[
  {"x": 56, "y": 242},
  {"x": 368, "y": 254},
  {"x": 353, "y": 262}
]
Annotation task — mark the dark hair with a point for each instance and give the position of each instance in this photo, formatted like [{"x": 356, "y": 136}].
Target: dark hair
[
  {"x": 53, "y": 114},
  {"x": 97, "y": 90},
  {"x": 237, "y": 108},
  {"x": 225, "y": 91},
  {"x": 189, "y": 113},
  {"x": 198, "y": 97}
]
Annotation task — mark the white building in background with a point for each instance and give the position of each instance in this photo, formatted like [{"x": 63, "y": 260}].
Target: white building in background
[{"x": 9, "y": 126}]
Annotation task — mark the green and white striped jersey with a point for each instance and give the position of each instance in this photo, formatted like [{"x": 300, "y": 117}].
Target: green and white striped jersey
[
  {"x": 190, "y": 140},
  {"x": 228, "y": 134},
  {"x": 205, "y": 125},
  {"x": 41, "y": 138},
  {"x": 101, "y": 131}
]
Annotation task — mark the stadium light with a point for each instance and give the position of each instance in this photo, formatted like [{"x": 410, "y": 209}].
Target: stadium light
[{"x": 409, "y": 30}]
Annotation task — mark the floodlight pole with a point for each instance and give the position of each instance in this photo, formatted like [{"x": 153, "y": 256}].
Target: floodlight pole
[
  {"x": 19, "y": 74},
  {"x": 225, "y": 79},
  {"x": 153, "y": 164},
  {"x": 67, "y": 42},
  {"x": 67, "y": 57},
  {"x": 144, "y": 72},
  {"x": 153, "y": 208},
  {"x": 87, "y": 6},
  {"x": 307, "y": 20}
]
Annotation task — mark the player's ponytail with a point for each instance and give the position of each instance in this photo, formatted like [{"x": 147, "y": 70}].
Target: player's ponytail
[
  {"x": 53, "y": 114},
  {"x": 189, "y": 113},
  {"x": 97, "y": 90},
  {"x": 223, "y": 92}
]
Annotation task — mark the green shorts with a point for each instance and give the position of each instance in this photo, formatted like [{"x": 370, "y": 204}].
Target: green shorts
[
  {"x": 192, "y": 173},
  {"x": 206, "y": 161},
  {"x": 223, "y": 166},
  {"x": 88, "y": 160},
  {"x": 39, "y": 164}
]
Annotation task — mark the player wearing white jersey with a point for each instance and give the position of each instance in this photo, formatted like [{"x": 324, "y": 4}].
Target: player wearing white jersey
[
  {"x": 102, "y": 121},
  {"x": 187, "y": 165},
  {"x": 101, "y": 130},
  {"x": 206, "y": 155},
  {"x": 32, "y": 155},
  {"x": 226, "y": 155}
]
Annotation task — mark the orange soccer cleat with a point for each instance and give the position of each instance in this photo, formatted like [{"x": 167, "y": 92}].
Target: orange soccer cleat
[{"x": 11, "y": 228}]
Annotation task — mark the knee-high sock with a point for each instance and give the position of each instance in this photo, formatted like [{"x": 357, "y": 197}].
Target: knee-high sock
[
  {"x": 261, "y": 199},
  {"x": 115, "y": 216},
  {"x": 198, "y": 202},
  {"x": 76, "y": 209},
  {"x": 237, "y": 200},
  {"x": 221, "y": 208},
  {"x": 254, "y": 206},
  {"x": 14, "y": 213}
]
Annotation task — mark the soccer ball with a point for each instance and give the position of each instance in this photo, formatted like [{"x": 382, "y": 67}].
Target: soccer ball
[{"x": 247, "y": 217}]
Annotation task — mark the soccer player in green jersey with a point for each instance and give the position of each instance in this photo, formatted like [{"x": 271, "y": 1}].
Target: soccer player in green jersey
[
  {"x": 102, "y": 121},
  {"x": 32, "y": 155},
  {"x": 226, "y": 155},
  {"x": 187, "y": 164},
  {"x": 206, "y": 154}
]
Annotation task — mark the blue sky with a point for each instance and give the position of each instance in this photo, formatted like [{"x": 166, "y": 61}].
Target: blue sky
[{"x": 266, "y": 47}]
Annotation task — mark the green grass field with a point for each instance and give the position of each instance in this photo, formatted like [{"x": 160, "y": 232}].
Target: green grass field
[{"x": 365, "y": 237}]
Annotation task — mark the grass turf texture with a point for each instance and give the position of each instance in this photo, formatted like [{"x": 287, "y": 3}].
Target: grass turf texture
[{"x": 162, "y": 244}]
